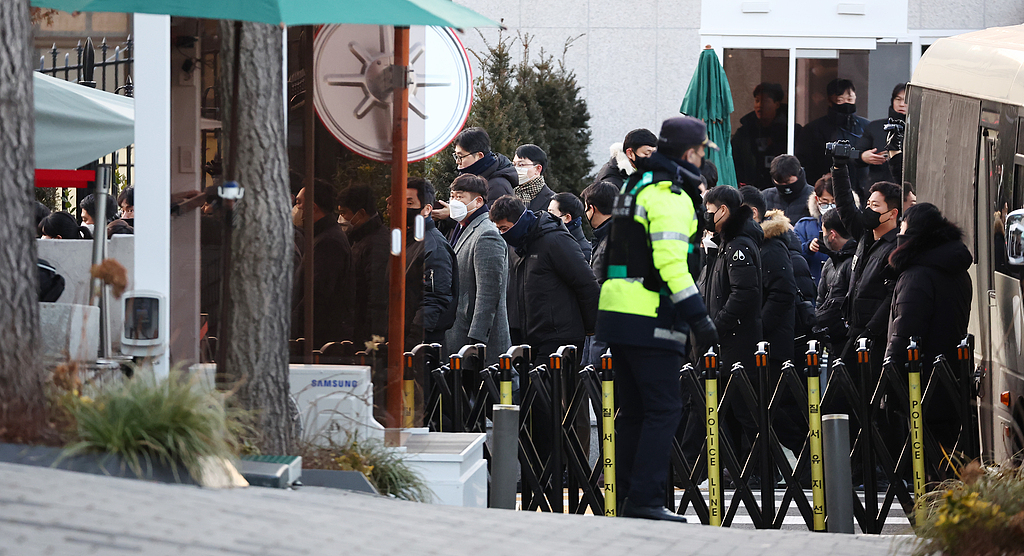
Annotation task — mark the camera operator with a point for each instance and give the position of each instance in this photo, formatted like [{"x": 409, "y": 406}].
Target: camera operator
[
  {"x": 875, "y": 146},
  {"x": 874, "y": 227}
]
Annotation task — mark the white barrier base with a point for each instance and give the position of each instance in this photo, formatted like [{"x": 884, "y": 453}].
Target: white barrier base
[{"x": 452, "y": 465}]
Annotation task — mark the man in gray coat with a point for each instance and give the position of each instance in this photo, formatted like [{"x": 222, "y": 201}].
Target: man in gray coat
[{"x": 482, "y": 256}]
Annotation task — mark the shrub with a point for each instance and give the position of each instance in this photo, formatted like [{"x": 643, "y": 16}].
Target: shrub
[
  {"x": 534, "y": 101},
  {"x": 383, "y": 466},
  {"x": 169, "y": 420},
  {"x": 981, "y": 513}
]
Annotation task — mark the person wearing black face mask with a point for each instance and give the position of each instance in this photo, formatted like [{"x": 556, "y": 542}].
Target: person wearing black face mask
[
  {"x": 841, "y": 122},
  {"x": 432, "y": 275},
  {"x": 552, "y": 293},
  {"x": 791, "y": 190},
  {"x": 869, "y": 296}
]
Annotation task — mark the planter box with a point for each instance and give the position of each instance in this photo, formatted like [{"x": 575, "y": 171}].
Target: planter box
[
  {"x": 344, "y": 480},
  {"x": 452, "y": 465},
  {"x": 95, "y": 464}
]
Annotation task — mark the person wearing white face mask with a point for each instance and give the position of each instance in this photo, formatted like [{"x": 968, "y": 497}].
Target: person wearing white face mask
[
  {"x": 482, "y": 258},
  {"x": 530, "y": 162}
]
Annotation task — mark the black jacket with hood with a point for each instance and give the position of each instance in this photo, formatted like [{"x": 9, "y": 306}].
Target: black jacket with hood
[
  {"x": 932, "y": 299},
  {"x": 778, "y": 287},
  {"x": 832, "y": 288},
  {"x": 870, "y": 294},
  {"x": 792, "y": 200},
  {"x": 501, "y": 177},
  {"x": 552, "y": 293},
  {"x": 617, "y": 169},
  {"x": 730, "y": 284}
]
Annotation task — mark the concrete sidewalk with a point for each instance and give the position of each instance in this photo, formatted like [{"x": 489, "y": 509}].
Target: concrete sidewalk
[{"x": 47, "y": 511}]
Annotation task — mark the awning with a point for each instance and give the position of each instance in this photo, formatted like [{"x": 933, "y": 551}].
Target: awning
[{"x": 76, "y": 125}]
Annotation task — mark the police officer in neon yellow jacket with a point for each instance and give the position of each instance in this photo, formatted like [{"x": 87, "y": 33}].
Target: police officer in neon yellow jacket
[{"x": 649, "y": 306}]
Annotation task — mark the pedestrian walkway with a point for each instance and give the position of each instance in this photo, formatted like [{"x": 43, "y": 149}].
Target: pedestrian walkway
[{"x": 47, "y": 511}]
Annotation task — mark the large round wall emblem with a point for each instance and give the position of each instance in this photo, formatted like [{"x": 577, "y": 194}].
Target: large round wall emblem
[{"x": 354, "y": 79}]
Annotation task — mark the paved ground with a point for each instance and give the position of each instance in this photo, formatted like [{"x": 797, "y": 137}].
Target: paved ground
[{"x": 46, "y": 511}]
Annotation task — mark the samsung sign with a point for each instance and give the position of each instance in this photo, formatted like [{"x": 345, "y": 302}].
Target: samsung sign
[{"x": 335, "y": 384}]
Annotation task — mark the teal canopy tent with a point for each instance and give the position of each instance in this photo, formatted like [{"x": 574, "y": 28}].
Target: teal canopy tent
[
  {"x": 709, "y": 98},
  {"x": 75, "y": 125}
]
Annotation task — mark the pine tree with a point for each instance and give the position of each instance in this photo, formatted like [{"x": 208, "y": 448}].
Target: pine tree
[{"x": 527, "y": 102}]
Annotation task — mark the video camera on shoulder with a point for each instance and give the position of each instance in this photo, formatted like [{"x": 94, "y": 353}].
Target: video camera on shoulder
[{"x": 839, "y": 149}]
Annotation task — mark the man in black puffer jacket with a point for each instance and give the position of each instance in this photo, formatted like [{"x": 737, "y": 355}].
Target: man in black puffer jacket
[
  {"x": 730, "y": 284},
  {"x": 552, "y": 293},
  {"x": 834, "y": 283},
  {"x": 551, "y": 286}
]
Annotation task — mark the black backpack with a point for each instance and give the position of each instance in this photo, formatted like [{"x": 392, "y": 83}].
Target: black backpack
[{"x": 51, "y": 284}]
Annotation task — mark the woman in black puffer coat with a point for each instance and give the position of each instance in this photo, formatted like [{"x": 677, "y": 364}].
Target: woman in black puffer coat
[{"x": 932, "y": 300}]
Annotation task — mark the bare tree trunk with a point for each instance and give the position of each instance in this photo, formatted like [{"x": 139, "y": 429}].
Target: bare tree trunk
[
  {"x": 260, "y": 276},
  {"x": 22, "y": 403}
]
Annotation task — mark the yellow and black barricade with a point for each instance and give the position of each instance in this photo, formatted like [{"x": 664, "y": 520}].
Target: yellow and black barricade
[
  {"x": 916, "y": 417},
  {"x": 813, "y": 372},
  {"x": 713, "y": 449},
  {"x": 608, "y": 433}
]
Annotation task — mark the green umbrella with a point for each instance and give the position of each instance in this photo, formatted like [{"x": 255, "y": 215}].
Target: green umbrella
[
  {"x": 444, "y": 13},
  {"x": 709, "y": 98}
]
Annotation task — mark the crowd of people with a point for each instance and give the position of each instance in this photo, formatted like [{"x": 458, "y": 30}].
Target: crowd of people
[{"x": 821, "y": 245}]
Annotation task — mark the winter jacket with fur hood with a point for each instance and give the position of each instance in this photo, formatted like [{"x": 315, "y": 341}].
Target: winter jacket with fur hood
[
  {"x": 730, "y": 284},
  {"x": 932, "y": 299},
  {"x": 618, "y": 168},
  {"x": 809, "y": 228},
  {"x": 778, "y": 287}
]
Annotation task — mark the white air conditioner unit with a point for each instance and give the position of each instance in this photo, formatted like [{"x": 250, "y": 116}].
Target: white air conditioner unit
[{"x": 334, "y": 401}]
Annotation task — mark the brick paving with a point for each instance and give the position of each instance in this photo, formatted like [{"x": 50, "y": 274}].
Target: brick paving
[{"x": 48, "y": 511}]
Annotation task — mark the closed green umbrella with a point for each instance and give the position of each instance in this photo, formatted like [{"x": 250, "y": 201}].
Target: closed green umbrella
[{"x": 709, "y": 98}]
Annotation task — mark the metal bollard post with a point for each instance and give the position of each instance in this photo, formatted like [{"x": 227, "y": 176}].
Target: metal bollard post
[
  {"x": 556, "y": 461},
  {"x": 608, "y": 436},
  {"x": 814, "y": 418},
  {"x": 711, "y": 414},
  {"x": 838, "y": 494},
  {"x": 505, "y": 379},
  {"x": 916, "y": 418},
  {"x": 504, "y": 456},
  {"x": 458, "y": 420},
  {"x": 764, "y": 428},
  {"x": 408, "y": 393},
  {"x": 870, "y": 478}
]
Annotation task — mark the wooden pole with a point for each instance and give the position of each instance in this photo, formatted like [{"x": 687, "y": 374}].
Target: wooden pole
[
  {"x": 399, "y": 178},
  {"x": 309, "y": 184}
]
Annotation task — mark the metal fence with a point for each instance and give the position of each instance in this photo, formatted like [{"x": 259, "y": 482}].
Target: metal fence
[
  {"x": 110, "y": 71},
  {"x": 459, "y": 395}
]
